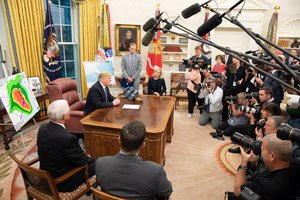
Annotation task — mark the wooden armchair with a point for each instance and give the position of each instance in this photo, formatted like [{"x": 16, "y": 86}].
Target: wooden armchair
[
  {"x": 39, "y": 184},
  {"x": 176, "y": 80},
  {"x": 100, "y": 195}
]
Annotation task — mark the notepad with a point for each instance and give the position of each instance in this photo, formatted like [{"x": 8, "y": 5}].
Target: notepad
[{"x": 131, "y": 106}]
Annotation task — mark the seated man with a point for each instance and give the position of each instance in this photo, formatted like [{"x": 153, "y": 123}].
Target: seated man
[
  {"x": 59, "y": 151},
  {"x": 126, "y": 174},
  {"x": 213, "y": 95},
  {"x": 278, "y": 181},
  {"x": 99, "y": 95}
]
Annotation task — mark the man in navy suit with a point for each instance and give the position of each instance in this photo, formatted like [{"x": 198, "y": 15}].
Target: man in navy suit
[
  {"x": 99, "y": 95},
  {"x": 59, "y": 151},
  {"x": 126, "y": 174}
]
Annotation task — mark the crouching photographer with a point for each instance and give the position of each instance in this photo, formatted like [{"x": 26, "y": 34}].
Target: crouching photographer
[{"x": 277, "y": 182}]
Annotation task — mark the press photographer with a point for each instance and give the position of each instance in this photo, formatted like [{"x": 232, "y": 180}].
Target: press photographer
[
  {"x": 213, "y": 95},
  {"x": 277, "y": 182}
]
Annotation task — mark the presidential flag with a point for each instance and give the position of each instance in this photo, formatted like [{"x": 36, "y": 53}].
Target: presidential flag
[
  {"x": 154, "y": 53},
  {"x": 51, "y": 55}
]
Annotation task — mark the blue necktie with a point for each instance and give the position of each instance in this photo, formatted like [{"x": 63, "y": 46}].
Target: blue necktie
[{"x": 106, "y": 93}]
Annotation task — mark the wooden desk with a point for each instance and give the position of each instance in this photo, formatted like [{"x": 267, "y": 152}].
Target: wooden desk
[
  {"x": 42, "y": 97},
  {"x": 102, "y": 127}
]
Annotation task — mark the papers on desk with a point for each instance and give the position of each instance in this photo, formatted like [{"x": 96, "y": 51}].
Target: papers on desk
[{"x": 131, "y": 106}]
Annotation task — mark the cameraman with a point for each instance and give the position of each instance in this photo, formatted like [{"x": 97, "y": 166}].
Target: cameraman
[
  {"x": 277, "y": 182},
  {"x": 213, "y": 95}
]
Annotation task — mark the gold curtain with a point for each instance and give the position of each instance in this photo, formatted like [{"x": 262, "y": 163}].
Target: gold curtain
[
  {"x": 27, "y": 18},
  {"x": 89, "y": 24}
]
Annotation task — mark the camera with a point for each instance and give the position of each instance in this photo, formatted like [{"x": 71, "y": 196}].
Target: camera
[
  {"x": 287, "y": 132},
  {"x": 194, "y": 63},
  {"x": 250, "y": 95},
  {"x": 247, "y": 142},
  {"x": 231, "y": 98},
  {"x": 261, "y": 124},
  {"x": 246, "y": 109},
  {"x": 248, "y": 194}
]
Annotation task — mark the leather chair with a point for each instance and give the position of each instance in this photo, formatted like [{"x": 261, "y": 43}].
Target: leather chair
[
  {"x": 39, "y": 184},
  {"x": 100, "y": 195},
  {"x": 66, "y": 88}
]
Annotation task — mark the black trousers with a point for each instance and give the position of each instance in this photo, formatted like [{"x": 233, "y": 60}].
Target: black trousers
[{"x": 192, "y": 98}]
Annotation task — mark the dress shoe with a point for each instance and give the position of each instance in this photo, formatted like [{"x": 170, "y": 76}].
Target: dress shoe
[
  {"x": 217, "y": 134},
  {"x": 234, "y": 150}
]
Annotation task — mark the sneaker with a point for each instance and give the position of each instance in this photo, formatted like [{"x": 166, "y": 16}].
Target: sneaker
[{"x": 190, "y": 115}]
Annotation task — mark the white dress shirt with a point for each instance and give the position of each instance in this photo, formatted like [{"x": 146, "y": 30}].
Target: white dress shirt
[{"x": 214, "y": 99}]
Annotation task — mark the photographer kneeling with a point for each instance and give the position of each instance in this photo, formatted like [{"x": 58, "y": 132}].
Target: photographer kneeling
[
  {"x": 213, "y": 95},
  {"x": 277, "y": 181}
]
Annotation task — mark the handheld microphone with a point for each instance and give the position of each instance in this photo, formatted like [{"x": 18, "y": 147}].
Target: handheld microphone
[
  {"x": 193, "y": 9},
  {"x": 215, "y": 21},
  {"x": 168, "y": 26}
]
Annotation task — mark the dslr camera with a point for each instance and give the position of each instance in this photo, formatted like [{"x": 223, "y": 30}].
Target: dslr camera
[
  {"x": 194, "y": 63},
  {"x": 247, "y": 109},
  {"x": 247, "y": 142},
  {"x": 200, "y": 86},
  {"x": 252, "y": 95},
  {"x": 287, "y": 132},
  {"x": 231, "y": 98}
]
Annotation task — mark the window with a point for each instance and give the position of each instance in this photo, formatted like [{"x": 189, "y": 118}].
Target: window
[{"x": 63, "y": 20}]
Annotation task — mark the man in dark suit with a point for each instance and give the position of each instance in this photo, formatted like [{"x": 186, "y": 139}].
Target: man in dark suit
[
  {"x": 127, "y": 175},
  {"x": 59, "y": 151},
  {"x": 99, "y": 95}
]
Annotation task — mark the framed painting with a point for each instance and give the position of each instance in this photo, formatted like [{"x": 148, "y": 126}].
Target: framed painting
[
  {"x": 34, "y": 82},
  {"x": 125, "y": 35}
]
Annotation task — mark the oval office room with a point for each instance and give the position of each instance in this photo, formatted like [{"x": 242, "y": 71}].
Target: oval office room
[{"x": 95, "y": 99}]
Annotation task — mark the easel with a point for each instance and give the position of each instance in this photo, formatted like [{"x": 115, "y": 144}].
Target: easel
[{"x": 3, "y": 124}]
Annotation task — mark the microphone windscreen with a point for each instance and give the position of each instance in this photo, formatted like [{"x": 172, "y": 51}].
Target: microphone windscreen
[
  {"x": 190, "y": 11},
  {"x": 167, "y": 27},
  {"x": 209, "y": 25},
  {"x": 148, "y": 37},
  {"x": 149, "y": 24}
]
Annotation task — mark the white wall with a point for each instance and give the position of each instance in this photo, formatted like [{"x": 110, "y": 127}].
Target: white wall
[{"x": 139, "y": 11}]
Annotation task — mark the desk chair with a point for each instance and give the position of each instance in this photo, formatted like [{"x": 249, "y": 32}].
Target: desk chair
[
  {"x": 40, "y": 185},
  {"x": 100, "y": 195},
  {"x": 176, "y": 79},
  {"x": 66, "y": 88}
]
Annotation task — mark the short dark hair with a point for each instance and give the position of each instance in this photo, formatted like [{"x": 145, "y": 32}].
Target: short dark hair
[
  {"x": 132, "y": 136},
  {"x": 272, "y": 108},
  {"x": 198, "y": 48},
  {"x": 277, "y": 120},
  {"x": 267, "y": 89}
]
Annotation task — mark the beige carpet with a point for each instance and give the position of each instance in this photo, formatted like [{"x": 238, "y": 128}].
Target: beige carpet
[{"x": 198, "y": 166}]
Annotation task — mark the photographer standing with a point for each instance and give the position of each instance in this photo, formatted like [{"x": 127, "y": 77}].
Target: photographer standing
[
  {"x": 193, "y": 89},
  {"x": 277, "y": 181},
  {"x": 213, "y": 95}
]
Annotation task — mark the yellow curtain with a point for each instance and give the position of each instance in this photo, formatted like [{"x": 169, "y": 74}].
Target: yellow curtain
[
  {"x": 89, "y": 24},
  {"x": 27, "y": 18}
]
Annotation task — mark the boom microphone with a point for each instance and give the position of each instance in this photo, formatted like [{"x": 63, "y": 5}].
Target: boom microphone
[
  {"x": 190, "y": 11},
  {"x": 168, "y": 26},
  {"x": 148, "y": 37},
  {"x": 215, "y": 21},
  {"x": 251, "y": 52},
  {"x": 212, "y": 23},
  {"x": 149, "y": 24},
  {"x": 193, "y": 9}
]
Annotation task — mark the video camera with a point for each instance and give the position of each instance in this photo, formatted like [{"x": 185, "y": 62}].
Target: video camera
[
  {"x": 287, "y": 132},
  {"x": 194, "y": 63},
  {"x": 248, "y": 110},
  {"x": 247, "y": 142}
]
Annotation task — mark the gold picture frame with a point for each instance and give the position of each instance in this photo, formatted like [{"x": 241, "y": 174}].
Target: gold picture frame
[{"x": 126, "y": 34}]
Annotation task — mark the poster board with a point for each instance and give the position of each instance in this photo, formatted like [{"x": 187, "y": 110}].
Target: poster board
[
  {"x": 18, "y": 99},
  {"x": 93, "y": 68}
]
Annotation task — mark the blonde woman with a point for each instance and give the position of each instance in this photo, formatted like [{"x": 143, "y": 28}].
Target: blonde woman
[{"x": 156, "y": 84}]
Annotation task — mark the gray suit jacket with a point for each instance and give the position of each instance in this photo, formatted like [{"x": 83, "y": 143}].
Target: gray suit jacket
[
  {"x": 132, "y": 71},
  {"x": 128, "y": 176}
]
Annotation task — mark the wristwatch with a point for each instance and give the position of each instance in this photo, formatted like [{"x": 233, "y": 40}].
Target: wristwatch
[{"x": 242, "y": 167}]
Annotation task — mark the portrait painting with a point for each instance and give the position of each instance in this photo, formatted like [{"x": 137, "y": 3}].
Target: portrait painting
[{"x": 125, "y": 35}]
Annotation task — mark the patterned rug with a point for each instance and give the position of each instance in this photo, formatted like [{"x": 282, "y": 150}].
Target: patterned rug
[{"x": 229, "y": 161}]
